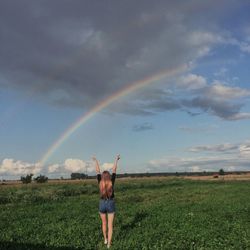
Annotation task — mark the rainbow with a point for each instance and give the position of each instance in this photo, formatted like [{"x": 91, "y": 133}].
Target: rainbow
[{"x": 120, "y": 93}]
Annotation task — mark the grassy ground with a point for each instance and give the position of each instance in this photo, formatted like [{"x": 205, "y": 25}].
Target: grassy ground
[{"x": 162, "y": 213}]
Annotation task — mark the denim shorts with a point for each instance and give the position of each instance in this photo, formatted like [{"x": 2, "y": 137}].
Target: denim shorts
[{"x": 107, "y": 206}]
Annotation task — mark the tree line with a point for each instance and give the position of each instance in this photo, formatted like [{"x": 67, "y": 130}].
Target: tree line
[
  {"x": 39, "y": 179},
  {"x": 79, "y": 176}
]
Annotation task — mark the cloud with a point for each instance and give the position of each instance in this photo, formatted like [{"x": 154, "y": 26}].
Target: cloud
[
  {"x": 212, "y": 163},
  {"x": 191, "y": 81},
  {"x": 77, "y": 165},
  {"x": 198, "y": 129},
  {"x": 245, "y": 47},
  {"x": 193, "y": 95},
  {"x": 107, "y": 166},
  {"x": 223, "y": 109},
  {"x": 54, "y": 168},
  {"x": 12, "y": 167},
  {"x": 217, "y": 90},
  {"x": 143, "y": 127},
  {"x": 229, "y": 156},
  {"x": 239, "y": 116},
  {"x": 222, "y": 72},
  {"x": 215, "y": 148},
  {"x": 195, "y": 169},
  {"x": 218, "y": 99},
  {"x": 245, "y": 150},
  {"x": 78, "y": 55}
]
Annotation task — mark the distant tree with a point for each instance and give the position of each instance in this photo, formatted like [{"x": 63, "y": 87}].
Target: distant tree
[
  {"x": 41, "y": 179},
  {"x": 75, "y": 176},
  {"x": 221, "y": 171},
  {"x": 26, "y": 179}
]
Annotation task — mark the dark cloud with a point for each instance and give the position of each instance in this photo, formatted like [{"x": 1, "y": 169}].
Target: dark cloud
[
  {"x": 192, "y": 113},
  {"x": 143, "y": 127},
  {"x": 163, "y": 105},
  {"x": 224, "y": 110},
  {"x": 216, "y": 148},
  {"x": 76, "y": 54},
  {"x": 198, "y": 129},
  {"x": 220, "y": 100},
  {"x": 147, "y": 102},
  {"x": 198, "y": 103}
]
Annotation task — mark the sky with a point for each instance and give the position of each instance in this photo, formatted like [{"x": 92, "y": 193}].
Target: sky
[{"x": 165, "y": 84}]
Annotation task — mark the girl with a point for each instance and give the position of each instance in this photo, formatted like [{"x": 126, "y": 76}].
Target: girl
[{"x": 107, "y": 203}]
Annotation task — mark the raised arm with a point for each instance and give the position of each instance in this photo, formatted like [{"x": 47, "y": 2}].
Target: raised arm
[
  {"x": 115, "y": 163},
  {"x": 97, "y": 167}
]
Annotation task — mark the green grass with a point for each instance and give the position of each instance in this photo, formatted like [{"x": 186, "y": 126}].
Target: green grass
[{"x": 151, "y": 214}]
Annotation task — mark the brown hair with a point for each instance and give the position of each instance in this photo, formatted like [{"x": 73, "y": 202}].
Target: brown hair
[{"x": 105, "y": 185}]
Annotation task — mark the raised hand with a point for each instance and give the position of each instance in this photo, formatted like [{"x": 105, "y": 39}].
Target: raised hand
[
  {"x": 97, "y": 167},
  {"x": 118, "y": 157},
  {"x": 115, "y": 163}
]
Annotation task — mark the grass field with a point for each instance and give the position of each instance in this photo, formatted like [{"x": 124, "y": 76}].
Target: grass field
[{"x": 152, "y": 213}]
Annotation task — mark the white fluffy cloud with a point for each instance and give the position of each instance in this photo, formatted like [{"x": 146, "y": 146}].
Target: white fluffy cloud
[
  {"x": 15, "y": 169},
  {"x": 75, "y": 165},
  {"x": 12, "y": 167},
  {"x": 107, "y": 166},
  {"x": 54, "y": 168}
]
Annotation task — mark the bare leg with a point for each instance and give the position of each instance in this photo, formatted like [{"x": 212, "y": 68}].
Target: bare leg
[
  {"x": 104, "y": 226},
  {"x": 110, "y": 227}
]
